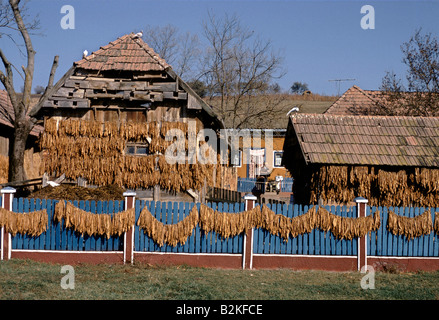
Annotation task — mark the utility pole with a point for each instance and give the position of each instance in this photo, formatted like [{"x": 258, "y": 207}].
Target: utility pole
[{"x": 338, "y": 84}]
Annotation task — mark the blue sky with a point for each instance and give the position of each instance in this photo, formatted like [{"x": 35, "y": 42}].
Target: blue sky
[{"x": 320, "y": 40}]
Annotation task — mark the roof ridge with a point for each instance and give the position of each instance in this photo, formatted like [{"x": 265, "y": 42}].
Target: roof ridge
[
  {"x": 149, "y": 50},
  {"x": 128, "y": 38},
  {"x": 323, "y": 115},
  {"x": 364, "y": 92},
  {"x": 105, "y": 47}
]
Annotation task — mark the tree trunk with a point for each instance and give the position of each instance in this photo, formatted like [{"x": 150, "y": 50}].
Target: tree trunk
[{"x": 16, "y": 153}]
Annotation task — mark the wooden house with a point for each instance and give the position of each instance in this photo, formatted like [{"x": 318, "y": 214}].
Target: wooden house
[
  {"x": 107, "y": 118},
  {"x": 391, "y": 161},
  {"x": 264, "y": 147}
]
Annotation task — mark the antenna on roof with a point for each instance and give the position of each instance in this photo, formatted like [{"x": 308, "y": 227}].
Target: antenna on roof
[{"x": 338, "y": 84}]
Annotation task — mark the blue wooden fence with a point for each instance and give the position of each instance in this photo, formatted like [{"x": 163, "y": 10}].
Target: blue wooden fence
[
  {"x": 57, "y": 237},
  {"x": 379, "y": 243},
  {"x": 384, "y": 243},
  {"x": 316, "y": 242},
  {"x": 248, "y": 184},
  {"x": 198, "y": 242}
]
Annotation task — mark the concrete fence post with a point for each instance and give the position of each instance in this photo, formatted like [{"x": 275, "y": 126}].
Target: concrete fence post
[
  {"x": 6, "y": 241},
  {"x": 247, "y": 254},
  {"x": 362, "y": 241},
  {"x": 128, "y": 239}
]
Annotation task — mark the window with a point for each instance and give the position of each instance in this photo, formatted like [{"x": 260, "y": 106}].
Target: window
[
  {"x": 237, "y": 161},
  {"x": 277, "y": 159},
  {"x": 140, "y": 149}
]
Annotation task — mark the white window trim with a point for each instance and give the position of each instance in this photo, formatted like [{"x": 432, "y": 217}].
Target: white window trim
[
  {"x": 274, "y": 158},
  {"x": 240, "y": 160}
]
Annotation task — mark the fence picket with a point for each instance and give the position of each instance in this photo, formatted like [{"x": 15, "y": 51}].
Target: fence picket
[
  {"x": 436, "y": 239},
  {"x": 197, "y": 237}
]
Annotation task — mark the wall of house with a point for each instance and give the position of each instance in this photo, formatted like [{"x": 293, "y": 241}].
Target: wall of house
[{"x": 278, "y": 143}]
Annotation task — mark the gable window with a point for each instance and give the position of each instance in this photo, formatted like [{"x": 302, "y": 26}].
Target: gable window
[
  {"x": 138, "y": 149},
  {"x": 277, "y": 158}
]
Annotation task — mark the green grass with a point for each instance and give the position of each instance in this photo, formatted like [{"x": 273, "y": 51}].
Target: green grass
[{"x": 25, "y": 279}]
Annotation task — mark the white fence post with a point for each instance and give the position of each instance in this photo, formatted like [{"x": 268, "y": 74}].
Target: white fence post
[{"x": 6, "y": 243}]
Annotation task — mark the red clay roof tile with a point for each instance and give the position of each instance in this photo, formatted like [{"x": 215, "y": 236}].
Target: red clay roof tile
[{"x": 127, "y": 53}]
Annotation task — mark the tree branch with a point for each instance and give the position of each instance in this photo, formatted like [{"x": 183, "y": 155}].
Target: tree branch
[
  {"x": 48, "y": 90},
  {"x": 29, "y": 70}
]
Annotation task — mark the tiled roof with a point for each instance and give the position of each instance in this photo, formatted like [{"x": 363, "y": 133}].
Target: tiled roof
[
  {"x": 127, "y": 53},
  {"x": 368, "y": 140},
  {"x": 355, "y": 101},
  {"x": 7, "y": 109}
]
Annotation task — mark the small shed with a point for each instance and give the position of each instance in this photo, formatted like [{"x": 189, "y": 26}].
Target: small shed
[{"x": 392, "y": 161}]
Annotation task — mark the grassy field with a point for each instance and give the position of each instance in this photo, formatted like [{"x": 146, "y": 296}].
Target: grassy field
[{"x": 24, "y": 280}]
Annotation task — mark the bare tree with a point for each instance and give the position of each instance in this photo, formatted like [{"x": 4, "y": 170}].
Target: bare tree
[
  {"x": 421, "y": 95},
  {"x": 179, "y": 50},
  {"x": 24, "y": 118},
  {"x": 238, "y": 66}
]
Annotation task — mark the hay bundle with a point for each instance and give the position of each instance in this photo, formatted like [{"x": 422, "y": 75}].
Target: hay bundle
[
  {"x": 33, "y": 223},
  {"x": 410, "y": 227},
  {"x": 95, "y": 151},
  {"x": 381, "y": 186},
  {"x": 4, "y": 167},
  {"x": 171, "y": 234},
  {"x": 231, "y": 224},
  {"x": 227, "y": 224},
  {"x": 92, "y": 224},
  {"x": 348, "y": 228},
  {"x": 436, "y": 222}
]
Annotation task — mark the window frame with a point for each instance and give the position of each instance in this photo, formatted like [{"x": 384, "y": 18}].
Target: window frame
[
  {"x": 274, "y": 158},
  {"x": 136, "y": 146}
]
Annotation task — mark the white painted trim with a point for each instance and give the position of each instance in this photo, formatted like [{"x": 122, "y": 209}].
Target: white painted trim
[
  {"x": 124, "y": 247},
  {"x": 244, "y": 241},
  {"x": 358, "y": 240},
  {"x": 301, "y": 255},
  {"x": 128, "y": 194},
  {"x": 9, "y": 246},
  {"x": 191, "y": 254},
  {"x": 64, "y": 251},
  {"x": 1, "y": 243},
  {"x": 274, "y": 159},
  {"x": 132, "y": 244},
  {"x": 410, "y": 258},
  {"x": 8, "y": 190},
  {"x": 251, "y": 251}
]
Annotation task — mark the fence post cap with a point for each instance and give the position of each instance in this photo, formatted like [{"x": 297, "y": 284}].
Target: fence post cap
[
  {"x": 129, "y": 193},
  {"x": 361, "y": 200},
  {"x": 249, "y": 196},
  {"x": 8, "y": 190}
]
